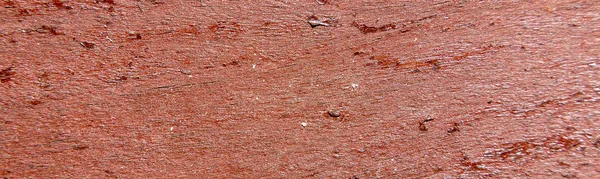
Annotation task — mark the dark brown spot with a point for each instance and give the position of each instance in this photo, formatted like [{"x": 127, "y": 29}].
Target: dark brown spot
[
  {"x": 385, "y": 60},
  {"x": 474, "y": 165},
  {"x": 429, "y": 119},
  {"x": 122, "y": 78},
  {"x": 9, "y": 4},
  {"x": 564, "y": 164},
  {"x": 5, "y": 74},
  {"x": 454, "y": 128},
  {"x": 568, "y": 175},
  {"x": 87, "y": 45},
  {"x": 597, "y": 143},
  {"x": 106, "y": 1},
  {"x": 24, "y": 12},
  {"x": 232, "y": 63},
  {"x": 135, "y": 35},
  {"x": 156, "y": 2},
  {"x": 35, "y": 102},
  {"x": 358, "y": 53},
  {"x": 58, "y": 3},
  {"x": 368, "y": 29},
  {"x": 80, "y": 147},
  {"x": 44, "y": 29},
  {"x": 422, "y": 126}
]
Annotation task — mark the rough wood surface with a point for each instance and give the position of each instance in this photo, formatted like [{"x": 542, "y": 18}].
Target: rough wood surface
[{"x": 299, "y": 89}]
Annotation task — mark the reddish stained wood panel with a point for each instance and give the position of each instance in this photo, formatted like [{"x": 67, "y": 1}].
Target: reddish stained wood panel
[{"x": 246, "y": 89}]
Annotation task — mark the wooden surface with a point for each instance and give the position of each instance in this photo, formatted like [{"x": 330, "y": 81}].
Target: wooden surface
[{"x": 299, "y": 89}]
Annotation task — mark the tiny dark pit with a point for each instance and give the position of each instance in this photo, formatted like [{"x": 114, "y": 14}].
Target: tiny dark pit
[{"x": 88, "y": 45}]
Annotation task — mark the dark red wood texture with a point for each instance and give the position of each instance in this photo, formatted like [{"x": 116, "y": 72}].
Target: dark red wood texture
[{"x": 299, "y": 89}]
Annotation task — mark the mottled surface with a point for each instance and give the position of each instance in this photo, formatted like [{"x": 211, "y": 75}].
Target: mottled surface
[{"x": 204, "y": 88}]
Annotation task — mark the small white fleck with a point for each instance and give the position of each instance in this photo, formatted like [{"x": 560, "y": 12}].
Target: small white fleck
[
  {"x": 109, "y": 39},
  {"x": 171, "y": 128},
  {"x": 304, "y": 124},
  {"x": 593, "y": 64},
  {"x": 317, "y": 22},
  {"x": 253, "y": 66},
  {"x": 354, "y": 85}
]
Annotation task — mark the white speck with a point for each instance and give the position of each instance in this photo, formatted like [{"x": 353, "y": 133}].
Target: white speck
[
  {"x": 253, "y": 66},
  {"x": 354, "y": 85},
  {"x": 190, "y": 76},
  {"x": 304, "y": 124},
  {"x": 593, "y": 64},
  {"x": 171, "y": 128},
  {"x": 109, "y": 39}
]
